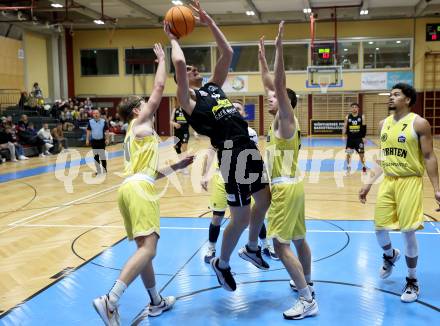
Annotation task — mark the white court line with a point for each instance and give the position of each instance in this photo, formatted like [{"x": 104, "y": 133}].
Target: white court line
[
  {"x": 433, "y": 225},
  {"x": 86, "y": 226},
  {"x": 29, "y": 218}
]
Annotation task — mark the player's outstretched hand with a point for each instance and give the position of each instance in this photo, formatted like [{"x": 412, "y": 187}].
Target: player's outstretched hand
[
  {"x": 167, "y": 30},
  {"x": 202, "y": 16},
  {"x": 279, "y": 39},
  {"x": 158, "y": 51}
]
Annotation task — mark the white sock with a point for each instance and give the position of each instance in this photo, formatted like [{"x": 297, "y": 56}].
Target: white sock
[
  {"x": 253, "y": 245},
  {"x": 264, "y": 243},
  {"x": 305, "y": 293},
  {"x": 223, "y": 264},
  {"x": 155, "y": 297},
  {"x": 116, "y": 291},
  {"x": 211, "y": 245},
  {"x": 412, "y": 273},
  {"x": 308, "y": 278}
]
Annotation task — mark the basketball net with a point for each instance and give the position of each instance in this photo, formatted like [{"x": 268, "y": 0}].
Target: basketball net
[{"x": 324, "y": 83}]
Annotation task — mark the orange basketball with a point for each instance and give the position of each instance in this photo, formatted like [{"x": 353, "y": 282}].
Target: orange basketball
[{"x": 181, "y": 19}]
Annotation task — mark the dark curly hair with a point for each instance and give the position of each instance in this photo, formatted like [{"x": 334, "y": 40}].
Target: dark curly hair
[{"x": 408, "y": 91}]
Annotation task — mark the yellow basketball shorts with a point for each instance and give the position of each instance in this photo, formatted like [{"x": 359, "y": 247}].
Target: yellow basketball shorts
[
  {"x": 400, "y": 204},
  {"x": 139, "y": 207},
  {"x": 286, "y": 215},
  {"x": 217, "y": 201}
]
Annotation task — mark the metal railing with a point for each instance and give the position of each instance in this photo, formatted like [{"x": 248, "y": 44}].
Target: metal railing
[{"x": 9, "y": 97}]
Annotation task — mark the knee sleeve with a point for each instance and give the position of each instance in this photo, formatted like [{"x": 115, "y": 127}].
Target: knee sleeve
[
  {"x": 411, "y": 245},
  {"x": 383, "y": 238}
]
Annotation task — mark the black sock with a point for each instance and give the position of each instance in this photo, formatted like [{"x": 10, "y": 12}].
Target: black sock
[
  {"x": 262, "y": 234},
  {"x": 214, "y": 231}
]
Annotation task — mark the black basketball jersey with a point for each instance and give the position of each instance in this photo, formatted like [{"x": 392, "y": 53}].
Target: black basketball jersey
[
  {"x": 179, "y": 116},
  {"x": 215, "y": 116},
  {"x": 354, "y": 126}
]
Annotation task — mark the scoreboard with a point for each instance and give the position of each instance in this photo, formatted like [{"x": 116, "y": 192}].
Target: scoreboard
[
  {"x": 323, "y": 54},
  {"x": 432, "y": 32}
]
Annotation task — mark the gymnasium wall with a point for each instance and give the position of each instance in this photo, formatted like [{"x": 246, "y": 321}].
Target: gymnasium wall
[
  {"x": 11, "y": 66},
  {"x": 121, "y": 39},
  {"x": 36, "y": 52}
]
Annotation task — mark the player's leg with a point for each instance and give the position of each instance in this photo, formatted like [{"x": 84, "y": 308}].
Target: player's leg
[
  {"x": 158, "y": 304},
  {"x": 239, "y": 221},
  {"x": 409, "y": 197},
  {"x": 214, "y": 232},
  {"x": 266, "y": 245},
  {"x": 305, "y": 305},
  {"x": 218, "y": 205},
  {"x": 385, "y": 219},
  {"x": 252, "y": 251}
]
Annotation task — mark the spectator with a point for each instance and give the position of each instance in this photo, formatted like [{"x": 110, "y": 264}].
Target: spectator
[
  {"x": 12, "y": 137},
  {"x": 9, "y": 123},
  {"x": 97, "y": 137},
  {"x": 88, "y": 105},
  {"x": 45, "y": 135},
  {"x": 36, "y": 91},
  {"x": 6, "y": 143},
  {"x": 59, "y": 141},
  {"x": 28, "y": 136},
  {"x": 24, "y": 100}
]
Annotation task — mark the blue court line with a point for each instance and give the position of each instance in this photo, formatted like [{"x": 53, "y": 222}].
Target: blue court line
[{"x": 50, "y": 168}]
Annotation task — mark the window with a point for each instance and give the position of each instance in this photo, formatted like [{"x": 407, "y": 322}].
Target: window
[
  {"x": 199, "y": 57},
  {"x": 348, "y": 55},
  {"x": 387, "y": 54},
  {"x": 99, "y": 62},
  {"x": 139, "y": 61},
  {"x": 245, "y": 58},
  {"x": 295, "y": 56}
]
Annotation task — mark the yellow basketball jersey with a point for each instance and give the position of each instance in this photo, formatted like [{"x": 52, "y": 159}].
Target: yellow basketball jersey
[
  {"x": 401, "y": 155},
  {"x": 140, "y": 154},
  {"x": 282, "y": 154}
]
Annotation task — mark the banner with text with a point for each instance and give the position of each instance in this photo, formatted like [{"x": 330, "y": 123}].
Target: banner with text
[{"x": 326, "y": 127}]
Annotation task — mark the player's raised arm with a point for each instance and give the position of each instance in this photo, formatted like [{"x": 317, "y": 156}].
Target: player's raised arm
[
  {"x": 221, "y": 69},
  {"x": 264, "y": 68},
  {"x": 179, "y": 62},
  {"x": 285, "y": 110},
  {"x": 149, "y": 108}
]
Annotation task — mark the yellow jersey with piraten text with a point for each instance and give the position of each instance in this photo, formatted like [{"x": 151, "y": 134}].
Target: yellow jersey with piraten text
[
  {"x": 282, "y": 154},
  {"x": 401, "y": 155},
  {"x": 140, "y": 154}
]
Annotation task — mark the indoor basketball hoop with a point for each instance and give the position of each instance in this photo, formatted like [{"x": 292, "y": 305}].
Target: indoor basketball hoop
[
  {"x": 324, "y": 77},
  {"x": 324, "y": 83}
]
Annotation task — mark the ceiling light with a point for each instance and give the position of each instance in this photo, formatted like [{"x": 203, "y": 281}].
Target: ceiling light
[
  {"x": 177, "y": 2},
  {"x": 345, "y": 50},
  {"x": 98, "y": 22},
  {"x": 250, "y": 13},
  {"x": 377, "y": 49},
  {"x": 398, "y": 42},
  {"x": 364, "y": 12},
  {"x": 56, "y": 5},
  {"x": 307, "y": 10},
  {"x": 384, "y": 94},
  {"x": 371, "y": 42}
]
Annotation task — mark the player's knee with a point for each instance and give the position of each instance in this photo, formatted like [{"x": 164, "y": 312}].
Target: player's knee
[
  {"x": 299, "y": 243},
  {"x": 280, "y": 248},
  {"x": 217, "y": 218}
]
